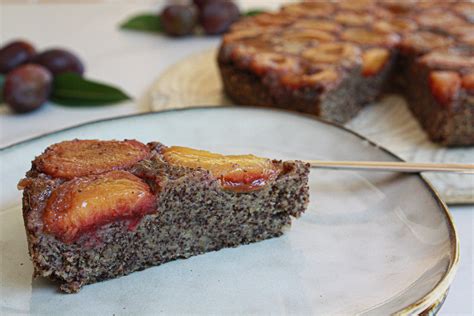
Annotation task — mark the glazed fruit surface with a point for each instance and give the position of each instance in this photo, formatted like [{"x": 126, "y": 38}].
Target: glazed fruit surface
[
  {"x": 242, "y": 173},
  {"x": 78, "y": 158},
  {"x": 85, "y": 203}
]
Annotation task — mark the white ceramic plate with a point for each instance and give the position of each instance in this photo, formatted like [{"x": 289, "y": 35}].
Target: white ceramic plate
[
  {"x": 375, "y": 243},
  {"x": 195, "y": 81}
]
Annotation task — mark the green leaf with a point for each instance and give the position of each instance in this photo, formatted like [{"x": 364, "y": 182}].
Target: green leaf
[
  {"x": 73, "y": 90},
  {"x": 2, "y": 80},
  {"x": 143, "y": 22},
  {"x": 253, "y": 12}
]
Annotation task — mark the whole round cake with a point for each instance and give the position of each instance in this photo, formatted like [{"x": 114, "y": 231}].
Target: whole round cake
[{"x": 331, "y": 59}]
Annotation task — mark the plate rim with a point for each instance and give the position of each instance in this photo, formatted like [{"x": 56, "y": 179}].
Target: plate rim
[{"x": 423, "y": 303}]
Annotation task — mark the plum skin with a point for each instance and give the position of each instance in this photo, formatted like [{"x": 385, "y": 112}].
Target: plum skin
[
  {"x": 217, "y": 16},
  {"x": 58, "y": 60},
  {"x": 179, "y": 20},
  {"x": 27, "y": 87},
  {"x": 15, "y": 54}
]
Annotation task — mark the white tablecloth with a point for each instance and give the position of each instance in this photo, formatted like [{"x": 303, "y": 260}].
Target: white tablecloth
[{"x": 132, "y": 60}]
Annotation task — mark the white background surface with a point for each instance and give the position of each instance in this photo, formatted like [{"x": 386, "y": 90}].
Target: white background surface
[{"x": 132, "y": 60}]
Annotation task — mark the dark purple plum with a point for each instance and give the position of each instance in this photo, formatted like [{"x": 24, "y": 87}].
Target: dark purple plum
[
  {"x": 59, "y": 60},
  {"x": 15, "y": 54},
  {"x": 179, "y": 19},
  {"x": 27, "y": 87},
  {"x": 201, "y": 3},
  {"x": 217, "y": 17}
]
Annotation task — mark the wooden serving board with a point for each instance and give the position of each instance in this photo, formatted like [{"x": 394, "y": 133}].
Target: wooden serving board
[{"x": 195, "y": 82}]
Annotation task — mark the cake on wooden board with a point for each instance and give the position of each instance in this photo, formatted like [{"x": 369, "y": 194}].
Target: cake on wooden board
[
  {"x": 95, "y": 210},
  {"x": 332, "y": 58}
]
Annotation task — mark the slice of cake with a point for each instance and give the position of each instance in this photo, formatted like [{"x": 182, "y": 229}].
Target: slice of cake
[{"x": 95, "y": 210}]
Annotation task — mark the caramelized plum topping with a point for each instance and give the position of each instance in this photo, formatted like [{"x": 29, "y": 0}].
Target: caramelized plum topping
[
  {"x": 243, "y": 34},
  {"x": 420, "y": 42},
  {"x": 462, "y": 29},
  {"x": 238, "y": 173},
  {"x": 444, "y": 86},
  {"x": 265, "y": 62},
  {"x": 323, "y": 25},
  {"x": 395, "y": 25},
  {"x": 307, "y": 35},
  {"x": 82, "y": 204},
  {"x": 78, "y": 158},
  {"x": 269, "y": 19},
  {"x": 324, "y": 77},
  {"x": 373, "y": 61},
  {"x": 466, "y": 9},
  {"x": 353, "y": 18},
  {"x": 449, "y": 59},
  {"x": 367, "y": 37},
  {"x": 356, "y": 5},
  {"x": 309, "y": 9},
  {"x": 397, "y": 6},
  {"x": 468, "y": 82},
  {"x": 345, "y": 54},
  {"x": 439, "y": 19}
]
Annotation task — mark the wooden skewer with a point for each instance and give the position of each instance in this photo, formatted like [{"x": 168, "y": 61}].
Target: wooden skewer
[{"x": 412, "y": 167}]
